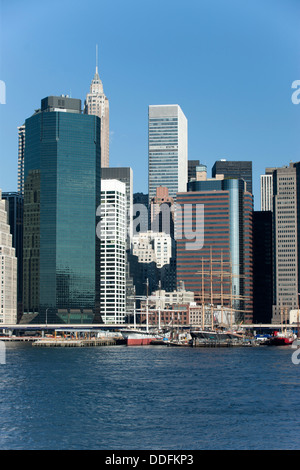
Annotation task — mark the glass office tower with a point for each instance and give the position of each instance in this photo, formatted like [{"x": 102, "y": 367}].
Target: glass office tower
[
  {"x": 62, "y": 193},
  {"x": 168, "y": 153},
  {"x": 226, "y": 274}
]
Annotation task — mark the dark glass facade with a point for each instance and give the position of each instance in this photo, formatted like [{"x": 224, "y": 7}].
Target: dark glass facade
[
  {"x": 234, "y": 169},
  {"x": 262, "y": 267},
  {"x": 63, "y": 149}
]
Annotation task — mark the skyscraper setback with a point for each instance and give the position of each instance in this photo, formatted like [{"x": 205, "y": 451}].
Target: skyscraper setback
[
  {"x": 97, "y": 104},
  {"x": 167, "y": 151}
]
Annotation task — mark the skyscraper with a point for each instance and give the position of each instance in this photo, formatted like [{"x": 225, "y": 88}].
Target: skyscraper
[
  {"x": 219, "y": 267},
  {"x": 167, "y": 149},
  {"x": 21, "y": 154},
  {"x": 113, "y": 251},
  {"x": 266, "y": 190},
  {"x": 262, "y": 267},
  {"x": 61, "y": 275},
  {"x": 8, "y": 270},
  {"x": 286, "y": 242},
  {"x": 97, "y": 104},
  {"x": 125, "y": 175},
  {"x": 234, "y": 169},
  {"x": 15, "y": 206}
]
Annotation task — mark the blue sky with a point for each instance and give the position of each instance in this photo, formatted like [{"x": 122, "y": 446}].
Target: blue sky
[{"x": 229, "y": 64}]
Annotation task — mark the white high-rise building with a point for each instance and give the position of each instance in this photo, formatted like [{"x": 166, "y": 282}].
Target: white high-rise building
[
  {"x": 266, "y": 190},
  {"x": 167, "y": 149},
  {"x": 113, "y": 252},
  {"x": 21, "y": 154},
  {"x": 96, "y": 103},
  {"x": 8, "y": 270}
]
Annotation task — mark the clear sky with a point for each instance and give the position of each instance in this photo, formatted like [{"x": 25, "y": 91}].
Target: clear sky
[{"x": 229, "y": 64}]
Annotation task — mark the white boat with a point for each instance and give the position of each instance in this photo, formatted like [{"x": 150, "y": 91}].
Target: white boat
[{"x": 135, "y": 337}]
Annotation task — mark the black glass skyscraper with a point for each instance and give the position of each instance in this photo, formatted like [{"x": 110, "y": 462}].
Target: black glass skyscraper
[
  {"x": 62, "y": 193},
  {"x": 234, "y": 169}
]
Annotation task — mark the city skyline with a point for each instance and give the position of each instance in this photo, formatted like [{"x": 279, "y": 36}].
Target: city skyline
[{"x": 229, "y": 67}]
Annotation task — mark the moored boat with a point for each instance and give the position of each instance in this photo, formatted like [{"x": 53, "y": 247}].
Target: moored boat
[
  {"x": 281, "y": 339},
  {"x": 136, "y": 337},
  {"x": 214, "y": 335}
]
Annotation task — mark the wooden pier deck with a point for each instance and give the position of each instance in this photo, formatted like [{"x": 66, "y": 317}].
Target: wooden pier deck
[{"x": 74, "y": 343}]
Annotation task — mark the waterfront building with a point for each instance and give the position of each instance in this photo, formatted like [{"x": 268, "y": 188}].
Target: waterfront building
[
  {"x": 113, "y": 252},
  {"x": 15, "y": 203},
  {"x": 234, "y": 169},
  {"x": 21, "y": 154},
  {"x": 167, "y": 149},
  {"x": 125, "y": 175},
  {"x": 161, "y": 298},
  {"x": 286, "y": 223},
  {"x": 8, "y": 269},
  {"x": 217, "y": 267},
  {"x": 186, "y": 314},
  {"x": 97, "y": 104},
  {"x": 61, "y": 251}
]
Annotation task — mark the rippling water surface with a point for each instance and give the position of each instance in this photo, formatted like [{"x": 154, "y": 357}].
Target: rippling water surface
[{"x": 152, "y": 398}]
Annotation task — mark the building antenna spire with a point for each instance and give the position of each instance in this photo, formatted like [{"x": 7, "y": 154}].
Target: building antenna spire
[{"x": 96, "y": 58}]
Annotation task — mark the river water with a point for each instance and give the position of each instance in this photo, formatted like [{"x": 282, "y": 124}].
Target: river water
[{"x": 149, "y": 397}]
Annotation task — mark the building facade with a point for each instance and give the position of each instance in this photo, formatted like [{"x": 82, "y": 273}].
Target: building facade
[
  {"x": 61, "y": 275},
  {"x": 21, "y": 154},
  {"x": 167, "y": 149},
  {"x": 8, "y": 270},
  {"x": 262, "y": 266},
  {"x": 113, "y": 252},
  {"x": 234, "y": 169},
  {"x": 162, "y": 212},
  {"x": 266, "y": 190},
  {"x": 219, "y": 270},
  {"x": 15, "y": 208},
  {"x": 192, "y": 165},
  {"x": 286, "y": 203}
]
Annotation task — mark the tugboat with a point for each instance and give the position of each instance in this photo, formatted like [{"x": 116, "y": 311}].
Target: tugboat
[{"x": 285, "y": 338}]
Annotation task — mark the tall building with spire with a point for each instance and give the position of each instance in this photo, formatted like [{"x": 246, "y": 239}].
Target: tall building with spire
[{"x": 97, "y": 104}]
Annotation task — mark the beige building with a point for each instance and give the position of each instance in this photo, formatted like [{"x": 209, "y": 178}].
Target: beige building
[
  {"x": 96, "y": 103},
  {"x": 285, "y": 241},
  {"x": 8, "y": 270},
  {"x": 152, "y": 246}
]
